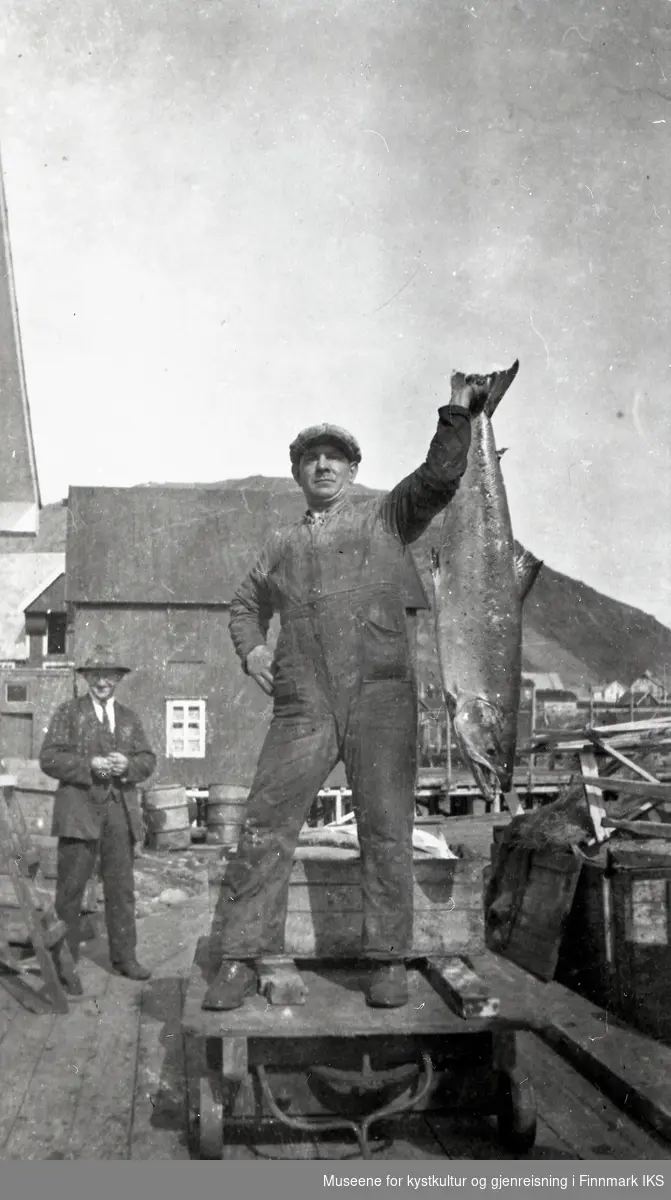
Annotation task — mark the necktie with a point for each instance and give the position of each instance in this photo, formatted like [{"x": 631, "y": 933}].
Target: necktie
[{"x": 108, "y": 736}]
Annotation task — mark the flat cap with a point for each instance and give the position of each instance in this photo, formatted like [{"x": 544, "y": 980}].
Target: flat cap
[{"x": 324, "y": 433}]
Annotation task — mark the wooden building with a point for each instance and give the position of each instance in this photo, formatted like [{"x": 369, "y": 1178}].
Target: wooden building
[
  {"x": 35, "y": 665},
  {"x": 35, "y": 673},
  {"x": 19, "y": 489},
  {"x": 609, "y": 693},
  {"x": 555, "y": 709},
  {"x": 153, "y": 571},
  {"x": 646, "y": 689}
]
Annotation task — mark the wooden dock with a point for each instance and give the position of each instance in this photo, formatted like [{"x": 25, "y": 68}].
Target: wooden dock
[{"x": 110, "y": 1079}]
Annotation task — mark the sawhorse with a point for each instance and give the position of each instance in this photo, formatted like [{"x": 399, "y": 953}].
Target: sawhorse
[{"x": 46, "y": 932}]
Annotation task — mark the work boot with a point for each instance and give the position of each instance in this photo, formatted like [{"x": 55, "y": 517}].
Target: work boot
[
  {"x": 388, "y": 987},
  {"x": 228, "y": 989},
  {"x": 132, "y": 969},
  {"x": 67, "y": 974}
]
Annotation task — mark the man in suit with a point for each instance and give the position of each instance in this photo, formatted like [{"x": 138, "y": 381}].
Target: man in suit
[
  {"x": 343, "y": 688},
  {"x": 98, "y": 751}
]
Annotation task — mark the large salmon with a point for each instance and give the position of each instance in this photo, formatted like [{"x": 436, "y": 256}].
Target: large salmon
[{"x": 479, "y": 589}]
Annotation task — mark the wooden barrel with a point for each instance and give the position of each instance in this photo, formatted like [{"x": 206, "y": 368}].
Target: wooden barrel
[
  {"x": 225, "y": 813},
  {"x": 166, "y": 811}
]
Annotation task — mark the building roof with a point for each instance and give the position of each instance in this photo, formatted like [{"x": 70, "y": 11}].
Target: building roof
[
  {"x": 173, "y": 546},
  {"x": 22, "y": 577},
  {"x": 50, "y": 598},
  {"x": 646, "y": 680},
  {"x": 19, "y": 489}
]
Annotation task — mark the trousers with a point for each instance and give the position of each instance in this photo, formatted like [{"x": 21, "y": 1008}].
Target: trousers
[
  {"x": 376, "y": 739},
  {"x": 75, "y": 863}
]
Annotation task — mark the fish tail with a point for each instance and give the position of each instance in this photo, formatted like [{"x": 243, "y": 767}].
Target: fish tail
[{"x": 501, "y": 381}]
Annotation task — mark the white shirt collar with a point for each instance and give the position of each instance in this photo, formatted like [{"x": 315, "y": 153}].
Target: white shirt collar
[
  {"x": 98, "y": 707},
  {"x": 317, "y": 516}
]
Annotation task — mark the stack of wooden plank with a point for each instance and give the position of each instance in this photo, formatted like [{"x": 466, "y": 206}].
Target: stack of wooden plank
[{"x": 620, "y": 751}]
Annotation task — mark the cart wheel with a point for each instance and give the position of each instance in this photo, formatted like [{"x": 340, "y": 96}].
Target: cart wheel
[
  {"x": 516, "y": 1111},
  {"x": 210, "y": 1123}
]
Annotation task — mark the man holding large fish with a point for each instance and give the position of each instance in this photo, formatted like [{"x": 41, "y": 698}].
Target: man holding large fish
[{"x": 342, "y": 685}]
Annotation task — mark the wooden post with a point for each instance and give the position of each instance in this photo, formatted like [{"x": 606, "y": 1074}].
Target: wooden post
[
  {"x": 591, "y": 706},
  {"x": 448, "y": 758},
  {"x": 595, "y": 801},
  {"x": 532, "y": 757}
]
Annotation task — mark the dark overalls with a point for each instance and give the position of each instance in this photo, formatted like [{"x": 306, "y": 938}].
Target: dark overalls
[{"x": 343, "y": 689}]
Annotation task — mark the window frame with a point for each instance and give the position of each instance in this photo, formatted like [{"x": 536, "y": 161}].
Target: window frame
[
  {"x": 172, "y": 705},
  {"x": 59, "y": 620}
]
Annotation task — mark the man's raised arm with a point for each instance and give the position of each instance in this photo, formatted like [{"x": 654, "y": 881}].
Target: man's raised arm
[{"x": 410, "y": 507}]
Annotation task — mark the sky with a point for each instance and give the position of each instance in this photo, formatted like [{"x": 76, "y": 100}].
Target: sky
[{"x": 233, "y": 219}]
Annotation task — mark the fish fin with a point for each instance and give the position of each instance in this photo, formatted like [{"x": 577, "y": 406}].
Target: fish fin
[
  {"x": 500, "y": 453},
  {"x": 527, "y": 567},
  {"x": 501, "y": 381}
]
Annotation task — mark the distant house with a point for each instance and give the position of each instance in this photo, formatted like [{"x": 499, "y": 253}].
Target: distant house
[
  {"x": 35, "y": 667},
  {"x": 646, "y": 686},
  {"x": 153, "y": 571},
  {"x": 639, "y": 699},
  {"x": 609, "y": 693},
  {"x": 555, "y": 708}
]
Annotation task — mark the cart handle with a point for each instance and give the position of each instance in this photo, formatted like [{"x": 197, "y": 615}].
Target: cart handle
[{"x": 359, "y": 1128}]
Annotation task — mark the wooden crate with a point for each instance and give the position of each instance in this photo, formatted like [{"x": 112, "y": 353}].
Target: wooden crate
[
  {"x": 324, "y": 913},
  {"x": 641, "y": 918},
  {"x": 586, "y": 956},
  {"x": 617, "y": 943},
  {"x": 529, "y": 898}
]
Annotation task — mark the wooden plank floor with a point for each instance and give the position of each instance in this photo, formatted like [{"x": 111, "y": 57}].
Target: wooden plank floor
[{"x": 108, "y": 1081}]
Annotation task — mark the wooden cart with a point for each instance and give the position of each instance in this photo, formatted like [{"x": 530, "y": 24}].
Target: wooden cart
[{"x": 308, "y": 1053}]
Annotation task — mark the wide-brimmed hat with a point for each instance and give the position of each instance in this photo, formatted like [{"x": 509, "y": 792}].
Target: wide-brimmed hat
[
  {"x": 324, "y": 433},
  {"x": 102, "y": 658}
]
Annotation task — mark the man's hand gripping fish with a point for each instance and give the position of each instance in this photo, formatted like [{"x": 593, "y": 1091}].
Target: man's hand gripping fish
[{"x": 480, "y": 586}]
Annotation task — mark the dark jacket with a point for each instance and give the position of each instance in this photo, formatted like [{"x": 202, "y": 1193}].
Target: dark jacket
[
  {"x": 74, "y": 737},
  {"x": 336, "y": 583}
]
